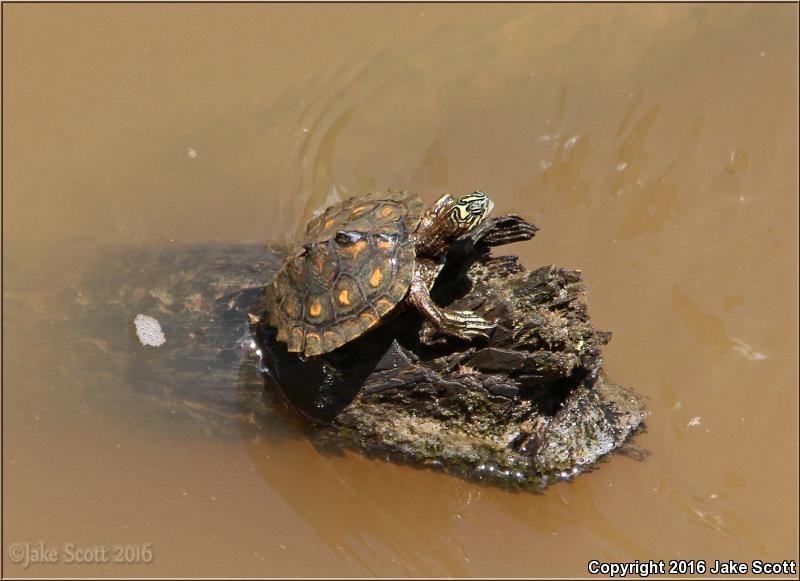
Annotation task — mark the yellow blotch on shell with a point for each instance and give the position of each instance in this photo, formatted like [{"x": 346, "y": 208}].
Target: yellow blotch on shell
[
  {"x": 375, "y": 278},
  {"x": 355, "y": 249},
  {"x": 344, "y": 298},
  {"x": 315, "y": 309}
]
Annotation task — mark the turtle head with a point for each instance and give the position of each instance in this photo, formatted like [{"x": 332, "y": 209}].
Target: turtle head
[
  {"x": 449, "y": 219},
  {"x": 468, "y": 211}
]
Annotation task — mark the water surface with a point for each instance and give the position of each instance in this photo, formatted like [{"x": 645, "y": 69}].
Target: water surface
[{"x": 655, "y": 147}]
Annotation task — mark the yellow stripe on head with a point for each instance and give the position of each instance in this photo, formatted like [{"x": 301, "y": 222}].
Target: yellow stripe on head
[{"x": 470, "y": 210}]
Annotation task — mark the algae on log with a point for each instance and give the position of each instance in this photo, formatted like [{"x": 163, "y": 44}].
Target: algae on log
[{"x": 528, "y": 406}]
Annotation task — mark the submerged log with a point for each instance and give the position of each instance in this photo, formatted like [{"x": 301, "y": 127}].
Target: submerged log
[{"x": 526, "y": 407}]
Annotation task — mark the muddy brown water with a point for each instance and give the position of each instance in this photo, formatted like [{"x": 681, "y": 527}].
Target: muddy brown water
[{"x": 655, "y": 147}]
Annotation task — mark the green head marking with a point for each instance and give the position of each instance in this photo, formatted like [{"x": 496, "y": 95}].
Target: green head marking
[{"x": 470, "y": 210}]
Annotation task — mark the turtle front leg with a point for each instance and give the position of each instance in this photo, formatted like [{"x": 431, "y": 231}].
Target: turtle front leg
[{"x": 465, "y": 325}]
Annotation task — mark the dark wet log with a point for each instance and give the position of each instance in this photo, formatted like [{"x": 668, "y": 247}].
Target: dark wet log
[{"x": 526, "y": 407}]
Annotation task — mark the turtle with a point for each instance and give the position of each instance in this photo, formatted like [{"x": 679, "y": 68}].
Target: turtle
[{"x": 362, "y": 257}]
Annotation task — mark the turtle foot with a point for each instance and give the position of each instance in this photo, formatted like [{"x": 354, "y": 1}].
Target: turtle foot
[{"x": 466, "y": 325}]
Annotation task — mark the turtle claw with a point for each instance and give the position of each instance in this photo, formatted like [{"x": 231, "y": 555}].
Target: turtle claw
[{"x": 466, "y": 325}]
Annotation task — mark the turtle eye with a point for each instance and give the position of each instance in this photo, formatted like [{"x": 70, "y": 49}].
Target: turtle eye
[{"x": 469, "y": 210}]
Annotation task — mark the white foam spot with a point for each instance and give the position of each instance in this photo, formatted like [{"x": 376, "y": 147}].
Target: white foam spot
[
  {"x": 191, "y": 153},
  {"x": 622, "y": 166},
  {"x": 149, "y": 331},
  {"x": 695, "y": 421},
  {"x": 748, "y": 352}
]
